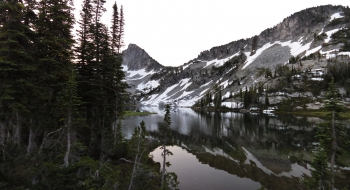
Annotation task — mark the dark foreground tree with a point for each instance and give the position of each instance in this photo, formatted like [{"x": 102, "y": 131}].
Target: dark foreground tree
[{"x": 332, "y": 137}]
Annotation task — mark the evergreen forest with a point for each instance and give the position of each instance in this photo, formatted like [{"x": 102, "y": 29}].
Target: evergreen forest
[{"x": 61, "y": 101}]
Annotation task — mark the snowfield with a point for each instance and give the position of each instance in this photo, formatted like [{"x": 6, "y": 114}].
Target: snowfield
[
  {"x": 148, "y": 85},
  {"x": 335, "y": 16},
  {"x": 220, "y": 62},
  {"x": 140, "y": 74}
]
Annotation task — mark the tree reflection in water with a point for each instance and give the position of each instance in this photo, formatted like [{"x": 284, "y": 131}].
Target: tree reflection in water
[{"x": 238, "y": 151}]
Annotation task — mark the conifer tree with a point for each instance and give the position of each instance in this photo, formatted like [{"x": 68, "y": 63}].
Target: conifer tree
[
  {"x": 100, "y": 77},
  {"x": 16, "y": 65},
  {"x": 332, "y": 138},
  {"x": 115, "y": 29},
  {"x": 337, "y": 133},
  {"x": 84, "y": 49},
  {"x": 166, "y": 133},
  {"x": 320, "y": 172},
  {"x": 53, "y": 53},
  {"x": 121, "y": 30},
  {"x": 69, "y": 104},
  {"x": 138, "y": 146},
  {"x": 267, "y": 102}
]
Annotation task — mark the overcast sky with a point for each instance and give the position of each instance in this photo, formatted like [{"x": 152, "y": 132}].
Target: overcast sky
[{"x": 175, "y": 31}]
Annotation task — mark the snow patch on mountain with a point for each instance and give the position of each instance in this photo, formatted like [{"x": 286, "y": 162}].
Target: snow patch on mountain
[
  {"x": 311, "y": 51},
  {"x": 146, "y": 87},
  {"x": 344, "y": 53},
  {"x": 184, "y": 94},
  {"x": 185, "y": 83},
  {"x": 335, "y": 16},
  {"x": 203, "y": 92},
  {"x": 206, "y": 84},
  {"x": 184, "y": 67},
  {"x": 166, "y": 97},
  {"x": 329, "y": 34},
  {"x": 296, "y": 48},
  {"x": 136, "y": 75},
  {"x": 329, "y": 54},
  {"x": 220, "y": 62},
  {"x": 227, "y": 95},
  {"x": 224, "y": 84},
  {"x": 250, "y": 59}
]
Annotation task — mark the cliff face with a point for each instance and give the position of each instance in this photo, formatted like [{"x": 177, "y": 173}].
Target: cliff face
[
  {"x": 240, "y": 64},
  {"x": 136, "y": 58}
]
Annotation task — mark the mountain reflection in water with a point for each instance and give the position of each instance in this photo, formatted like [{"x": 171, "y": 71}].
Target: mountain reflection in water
[{"x": 236, "y": 151}]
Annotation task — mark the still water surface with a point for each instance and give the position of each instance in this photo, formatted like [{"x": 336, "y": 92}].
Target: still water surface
[{"x": 236, "y": 151}]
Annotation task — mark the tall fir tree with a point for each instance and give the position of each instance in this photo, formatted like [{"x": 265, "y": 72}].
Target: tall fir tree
[
  {"x": 69, "y": 111},
  {"x": 336, "y": 137},
  {"x": 332, "y": 137},
  {"x": 100, "y": 77},
  {"x": 121, "y": 30},
  {"x": 167, "y": 140},
  {"x": 16, "y": 66},
  {"x": 115, "y": 29},
  {"x": 53, "y": 54}
]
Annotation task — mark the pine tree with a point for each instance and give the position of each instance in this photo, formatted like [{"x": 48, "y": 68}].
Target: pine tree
[
  {"x": 166, "y": 133},
  {"x": 267, "y": 102},
  {"x": 100, "y": 77},
  {"x": 337, "y": 133},
  {"x": 83, "y": 50},
  {"x": 115, "y": 32},
  {"x": 53, "y": 54},
  {"x": 69, "y": 104},
  {"x": 245, "y": 98},
  {"x": 139, "y": 144},
  {"x": 332, "y": 138},
  {"x": 320, "y": 172},
  {"x": 16, "y": 65},
  {"x": 121, "y": 30}
]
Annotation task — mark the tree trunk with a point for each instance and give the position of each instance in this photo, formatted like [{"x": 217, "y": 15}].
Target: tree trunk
[
  {"x": 69, "y": 123},
  {"x": 334, "y": 149},
  {"x": 164, "y": 161},
  {"x": 17, "y": 135},
  {"x": 114, "y": 127},
  {"x": 31, "y": 144},
  {"x": 133, "y": 172},
  {"x": 2, "y": 134}
]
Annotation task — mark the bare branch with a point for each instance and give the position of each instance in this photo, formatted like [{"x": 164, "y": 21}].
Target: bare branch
[{"x": 45, "y": 139}]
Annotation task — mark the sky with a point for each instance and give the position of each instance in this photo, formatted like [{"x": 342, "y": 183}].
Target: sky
[{"x": 174, "y": 32}]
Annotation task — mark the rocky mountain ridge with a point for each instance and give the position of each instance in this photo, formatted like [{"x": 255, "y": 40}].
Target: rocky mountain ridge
[{"x": 241, "y": 64}]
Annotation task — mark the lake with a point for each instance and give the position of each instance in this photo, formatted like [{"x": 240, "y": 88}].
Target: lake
[{"x": 237, "y": 151}]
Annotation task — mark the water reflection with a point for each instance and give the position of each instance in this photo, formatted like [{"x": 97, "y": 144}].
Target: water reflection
[{"x": 234, "y": 150}]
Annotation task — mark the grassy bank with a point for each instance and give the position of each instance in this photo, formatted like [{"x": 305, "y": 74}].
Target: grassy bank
[{"x": 134, "y": 113}]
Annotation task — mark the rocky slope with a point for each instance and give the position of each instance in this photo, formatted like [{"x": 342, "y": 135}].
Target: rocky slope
[{"x": 241, "y": 63}]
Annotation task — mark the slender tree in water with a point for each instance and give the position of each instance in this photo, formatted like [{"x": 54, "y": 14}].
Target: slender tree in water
[
  {"x": 168, "y": 179},
  {"x": 166, "y": 133}
]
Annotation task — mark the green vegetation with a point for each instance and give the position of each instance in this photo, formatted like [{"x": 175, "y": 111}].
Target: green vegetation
[
  {"x": 332, "y": 138},
  {"x": 61, "y": 101}
]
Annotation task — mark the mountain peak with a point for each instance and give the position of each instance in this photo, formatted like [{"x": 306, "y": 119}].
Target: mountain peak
[
  {"x": 136, "y": 58},
  {"x": 306, "y": 40}
]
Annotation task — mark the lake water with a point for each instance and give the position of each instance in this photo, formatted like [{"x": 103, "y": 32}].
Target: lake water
[{"x": 237, "y": 151}]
